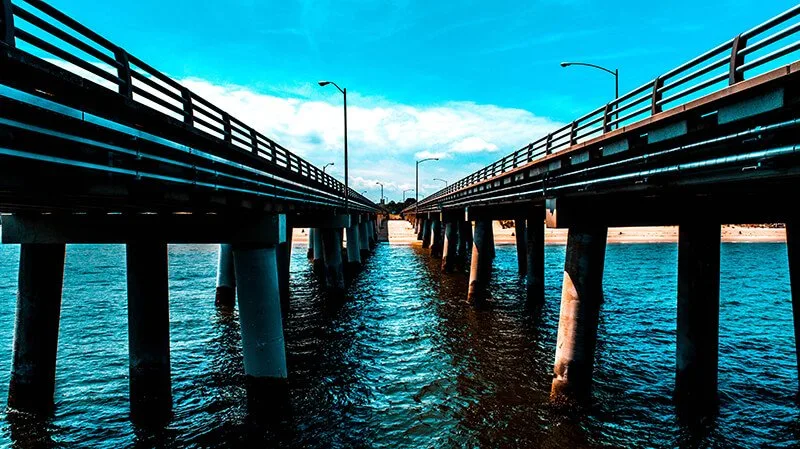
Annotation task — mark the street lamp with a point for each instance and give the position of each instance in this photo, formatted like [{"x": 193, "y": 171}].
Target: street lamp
[
  {"x": 416, "y": 192},
  {"x": 378, "y": 183},
  {"x": 404, "y": 194},
  {"x": 442, "y": 180},
  {"x": 326, "y": 166},
  {"x": 344, "y": 92},
  {"x": 614, "y": 72}
]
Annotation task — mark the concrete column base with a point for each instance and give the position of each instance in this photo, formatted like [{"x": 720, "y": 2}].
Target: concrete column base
[
  {"x": 449, "y": 255},
  {"x": 226, "y": 279},
  {"x": 534, "y": 266},
  {"x": 334, "y": 271},
  {"x": 480, "y": 270},
  {"x": 437, "y": 243},
  {"x": 33, "y": 369},
  {"x": 581, "y": 297},
  {"x": 522, "y": 248}
]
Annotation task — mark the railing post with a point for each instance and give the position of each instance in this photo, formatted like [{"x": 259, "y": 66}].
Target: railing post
[
  {"x": 530, "y": 152},
  {"x": 573, "y": 133},
  {"x": 737, "y": 60},
  {"x": 6, "y": 22},
  {"x": 658, "y": 83},
  {"x": 254, "y": 141},
  {"x": 607, "y": 118},
  {"x": 188, "y": 108},
  {"x": 124, "y": 72},
  {"x": 548, "y": 144},
  {"x": 226, "y": 126},
  {"x": 274, "y": 152}
]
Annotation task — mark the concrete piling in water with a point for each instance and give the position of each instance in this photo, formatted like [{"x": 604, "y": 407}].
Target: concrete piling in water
[
  {"x": 481, "y": 265},
  {"x": 698, "y": 317},
  {"x": 420, "y": 228},
  {"x": 148, "y": 332},
  {"x": 522, "y": 247},
  {"x": 310, "y": 252},
  {"x": 319, "y": 263},
  {"x": 33, "y": 370},
  {"x": 450, "y": 253},
  {"x": 363, "y": 235},
  {"x": 581, "y": 297},
  {"x": 465, "y": 239},
  {"x": 534, "y": 266},
  {"x": 426, "y": 233},
  {"x": 437, "y": 243},
  {"x": 261, "y": 323},
  {"x": 226, "y": 279},
  {"x": 284, "y": 254},
  {"x": 793, "y": 253},
  {"x": 334, "y": 271},
  {"x": 353, "y": 248}
]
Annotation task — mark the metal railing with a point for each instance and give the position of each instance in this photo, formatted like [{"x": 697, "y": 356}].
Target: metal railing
[
  {"x": 45, "y": 29},
  {"x": 720, "y": 67}
]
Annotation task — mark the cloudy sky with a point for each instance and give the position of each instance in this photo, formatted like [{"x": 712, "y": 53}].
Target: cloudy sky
[{"x": 467, "y": 81}]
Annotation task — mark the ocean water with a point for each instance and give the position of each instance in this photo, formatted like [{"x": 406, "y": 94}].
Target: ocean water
[{"x": 405, "y": 361}]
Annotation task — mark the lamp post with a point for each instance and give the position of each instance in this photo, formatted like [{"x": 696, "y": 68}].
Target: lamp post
[
  {"x": 442, "y": 180},
  {"x": 404, "y": 194},
  {"x": 416, "y": 191},
  {"x": 614, "y": 72},
  {"x": 326, "y": 166},
  {"x": 346, "y": 184},
  {"x": 378, "y": 183}
]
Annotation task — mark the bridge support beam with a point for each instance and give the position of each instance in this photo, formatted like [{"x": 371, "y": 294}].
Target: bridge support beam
[
  {"x": 522, "y": 247},
  {"x": 480, "y": 269},
  {"x": 319, "y": 263},
  {"x": 793, "y": 250},
  {"x": 334, "y": 272},
  {"x": 284, "y": 254},
  {"x": 581, "y": 296},
  {"x": 226, "y": 278},
  {"x": 450, "y": 255},
  {"x": 698, "y": 317},
  {"x": 363, "y": 235},
  {"x": 261, "y": 323},
  {"x": 310, "y": 253},
  {"x": 436, "y": 238},
  {"x": 534, "y": 266},
  {"x": 426, "y": 233},
  {"x": 33, "y": 370},
  {"x": 148, "y": 332}
]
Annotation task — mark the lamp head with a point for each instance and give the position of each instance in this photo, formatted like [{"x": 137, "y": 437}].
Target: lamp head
[
  {"x": 566, "y": 64},
  {"x": 324, "y": 83}
]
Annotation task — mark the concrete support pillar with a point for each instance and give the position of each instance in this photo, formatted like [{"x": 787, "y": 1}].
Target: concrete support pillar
[
  {"x": 698, "y": 316},
  {"x": 522, "y": 247},
  {"x": 262, "y": 327},
  {"x": 581, "y": 297},
  {"x": 310, "y": 253},
  {"x": 226, "y": 278},
  {"x": 284, "y": 254},
  {"x": 353, "y": 246},
  {"x": 319, "y": 264},
  {"x": 334, "y": 271},
  {"x": 426, "y": 233},
  {"x": 465, "y": 238},
  {"x": 437, "y": 242},
  {"x": 373, "y": 234},
  {"x": 33, "y": 370},
  {"x": 148, "y": 332},
  {"x": 449, "y": 256},
  {"x": 793, "y": 250},
  {"x": 363, "y": 234},
  {"x": 534, "y": 266},
  {"x": 480, "y": 269},
  {"x": 420, "y": 228}
]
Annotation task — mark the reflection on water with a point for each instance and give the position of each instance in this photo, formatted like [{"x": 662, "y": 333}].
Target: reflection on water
[{"x": 405, "y": 361}]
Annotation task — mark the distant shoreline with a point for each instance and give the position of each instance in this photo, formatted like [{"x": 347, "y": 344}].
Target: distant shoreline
[{"x": 401, "y": 233}]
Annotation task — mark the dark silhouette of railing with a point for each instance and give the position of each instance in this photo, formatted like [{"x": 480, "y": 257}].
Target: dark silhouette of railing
[
  {"x": 81, "y": 48},
  {"x": 719, "y": 67}
]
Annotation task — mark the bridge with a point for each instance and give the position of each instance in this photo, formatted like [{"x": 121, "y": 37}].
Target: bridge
[
  {"x": 713, "y": 141},
  {"x": 97, "y": 146}
]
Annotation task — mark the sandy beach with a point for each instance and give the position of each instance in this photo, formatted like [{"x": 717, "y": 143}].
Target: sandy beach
[{"x": 402, "y": 233}]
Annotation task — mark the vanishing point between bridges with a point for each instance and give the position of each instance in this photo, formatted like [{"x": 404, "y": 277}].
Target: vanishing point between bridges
[{"x": 171, "y": 275}]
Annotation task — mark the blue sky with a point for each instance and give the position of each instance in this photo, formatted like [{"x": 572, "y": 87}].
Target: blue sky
[{"x": 470, "y": 81}]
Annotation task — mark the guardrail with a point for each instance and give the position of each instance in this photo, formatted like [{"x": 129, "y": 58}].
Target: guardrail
[
  {"x": 48, "y": 30},
  {"x": 720, "y": 67}
]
